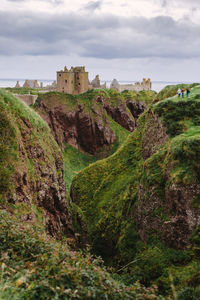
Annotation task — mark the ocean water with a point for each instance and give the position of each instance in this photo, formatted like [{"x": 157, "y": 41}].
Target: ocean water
[{"x": 156, "y": 85}]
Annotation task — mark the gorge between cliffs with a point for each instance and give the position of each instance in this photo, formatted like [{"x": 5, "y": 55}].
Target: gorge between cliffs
[{"x": 100, "y": 195}]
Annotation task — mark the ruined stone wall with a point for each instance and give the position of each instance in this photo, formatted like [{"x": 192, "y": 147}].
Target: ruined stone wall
[
  {"x": 27, "y": 99},
  {"x": 65, "y": 82},
  {"x": 143, "y": 86},
  {"x": 131, "y": 87}
]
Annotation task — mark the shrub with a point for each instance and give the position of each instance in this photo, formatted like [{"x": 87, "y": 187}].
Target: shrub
[{"x": 186, "y": 294}]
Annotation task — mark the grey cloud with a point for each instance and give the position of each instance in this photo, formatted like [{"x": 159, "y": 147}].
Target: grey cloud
[
  {"x": 164, "y": 3},
  {"x": 93, "y": 5},
  {"x": 54, "y": 2},
  {"x": 104, "y": 36}
]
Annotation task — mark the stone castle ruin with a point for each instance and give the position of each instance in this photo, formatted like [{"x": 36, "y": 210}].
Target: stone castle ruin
[
  {"x": 73, "y": 81},
  {"x": 145, "y": 85},
  {"x": 95, "y": 83},
  {"x": 29, "y": 84}
]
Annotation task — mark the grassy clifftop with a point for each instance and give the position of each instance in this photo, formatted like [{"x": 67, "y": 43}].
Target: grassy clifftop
[{"x": 141, "y": 205}]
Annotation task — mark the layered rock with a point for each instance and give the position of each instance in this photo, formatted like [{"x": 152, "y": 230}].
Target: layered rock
[
  {"x": 83, "y": 123},
  {"x": 36, "y": 180},
  {"x": 120, "y": 116},
  {"x": 78, "y": 128}
]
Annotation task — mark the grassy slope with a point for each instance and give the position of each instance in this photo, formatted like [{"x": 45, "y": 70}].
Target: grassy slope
[
  {"x": 14, "y": 115},
  {"x": 75, "y": 160},
  {"x": 171, "y": 90},
  {"x": 107, "y": 193},
  {"x": 22, "y": 90},
  {"x": 33, "y": 265}
]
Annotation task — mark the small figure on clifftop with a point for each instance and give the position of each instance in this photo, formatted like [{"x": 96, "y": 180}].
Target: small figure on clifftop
[
  {"x": 179, "y": 92},
  {"x": 187, "y": 92},
  {"x": 183, "y": 93}
]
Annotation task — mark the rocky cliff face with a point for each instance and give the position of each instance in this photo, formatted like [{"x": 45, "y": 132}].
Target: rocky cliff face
[
  {"x": 83, "y": 121},
  {"x": 170, "y": 210},
  {"x": 78, "y": 128},
  {"x": 32, "y": 174},
  {"x": 153, "y": 181}
]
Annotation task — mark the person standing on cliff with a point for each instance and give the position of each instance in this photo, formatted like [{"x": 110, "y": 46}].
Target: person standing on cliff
[
  {"x": 183, "y": 93},
  {"x": 179, "y": 92},
  {"x": 187, "y": 92}
]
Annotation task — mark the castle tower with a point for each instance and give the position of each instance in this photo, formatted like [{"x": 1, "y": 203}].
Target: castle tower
[
  {"x": 73, "y": 81},
  {"x": 17, "y": 84},
  {"x": 26, "y": 83},
  {"x": 96, "y": 82}
]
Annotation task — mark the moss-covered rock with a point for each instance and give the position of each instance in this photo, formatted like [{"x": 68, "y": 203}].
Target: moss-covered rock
[
  {"x": 147, "y": 191},
  {"x": 31, "y": 168}
]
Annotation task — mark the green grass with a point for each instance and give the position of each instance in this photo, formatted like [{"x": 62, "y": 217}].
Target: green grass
[
  {"x": 171, "y": 90},
  {"x": 23, "y": 90},
  {"x": 22, "y": 130},
  {"x": 35, "y": 266},
  {"x": 74, "y": 161},
  {"x": 109, "y": 193}
]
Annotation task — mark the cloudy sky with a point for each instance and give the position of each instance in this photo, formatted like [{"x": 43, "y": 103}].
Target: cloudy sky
[{"x": 123, "y": 39}]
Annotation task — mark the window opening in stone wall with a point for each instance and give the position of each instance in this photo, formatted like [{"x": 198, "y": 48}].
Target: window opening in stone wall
[
  {"x": 60, "y": 75},
  {"x": 65, "y": 81}
]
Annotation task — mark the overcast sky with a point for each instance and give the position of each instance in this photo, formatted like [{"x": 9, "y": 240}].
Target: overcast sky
[{"x": 123, "y": 39}]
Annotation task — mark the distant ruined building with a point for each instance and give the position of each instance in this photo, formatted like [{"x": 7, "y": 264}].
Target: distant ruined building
[
  {"x": 73, "y": 81},
  {"x": 51, "y": 87},
  {"x": 145, "y": 85},
  {"x": 95, "y": 83},
  {"x": 31, "y": 84},
  {"x": 17, "y": 84}
]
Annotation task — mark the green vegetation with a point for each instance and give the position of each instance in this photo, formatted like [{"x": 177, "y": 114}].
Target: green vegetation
[
  {"x": 88, "y": 99},
  {"x": 74, "y": 159},
  {"x": 23, "y": 90},
  {"x": 35, "y": 266},
  {"x": 171, "y": 90},
  {"x": 8, "y": 151},
  {"x": 120, "y": 198},
  {"x": 117, "y": 193},
  {"x": 21, "y": 127}
]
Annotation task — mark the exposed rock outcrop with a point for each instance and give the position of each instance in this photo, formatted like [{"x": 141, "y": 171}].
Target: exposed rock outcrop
[
  {"x": 78, "y": 128},
  {"x": 136, "y": 108},
  {"x": 37, "y": 181},
  {"x": 119, "y": 114},
  {"x": 83, "y": 121}
]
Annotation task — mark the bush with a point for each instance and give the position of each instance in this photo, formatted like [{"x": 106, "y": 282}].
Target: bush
[{"x": 186, "y": 294}]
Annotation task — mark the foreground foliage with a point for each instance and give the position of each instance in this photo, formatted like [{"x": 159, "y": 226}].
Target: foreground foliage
[{"x": 35, "y": 266}]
